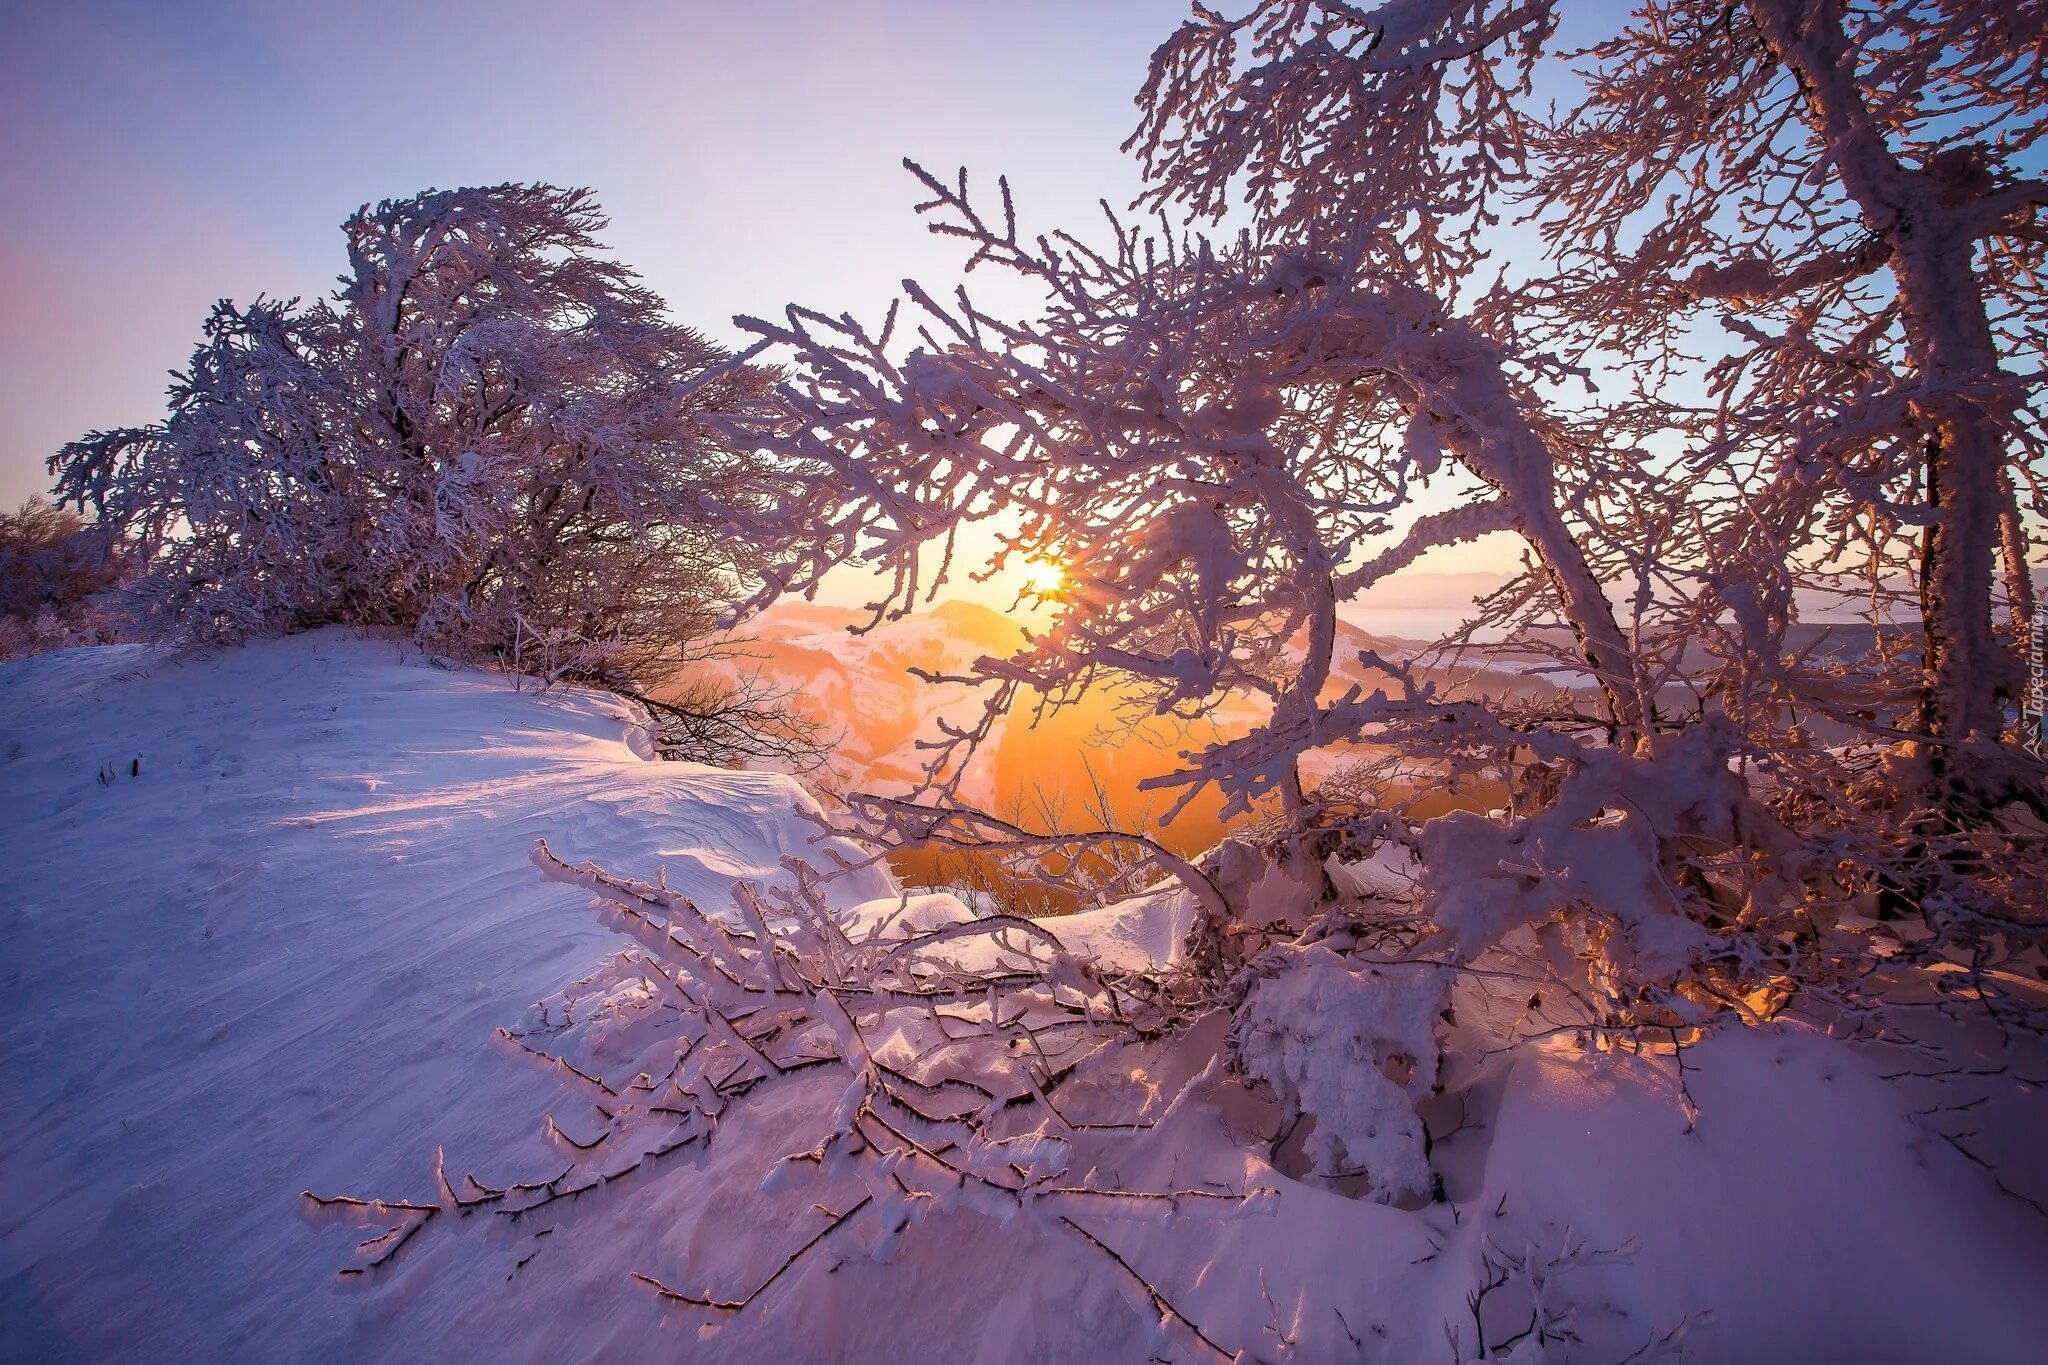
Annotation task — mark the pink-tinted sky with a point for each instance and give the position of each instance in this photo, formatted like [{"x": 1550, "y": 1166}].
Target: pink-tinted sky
[{"x": 158, "y": 156}]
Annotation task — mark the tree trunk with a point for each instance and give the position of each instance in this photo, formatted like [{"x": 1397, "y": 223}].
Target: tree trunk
[
  {"x": 1953, "y": 354},
  {"x": 1297, "y": 523},
  {"x": 2019, "y": 579},
  {"x": 1966, "y": 666},
  {"x": 1591, "y": 616}
]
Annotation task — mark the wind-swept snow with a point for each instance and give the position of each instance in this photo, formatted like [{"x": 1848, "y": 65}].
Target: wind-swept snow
[
  {"x": 269, "y": 949},
  {"x": 275, "y": 959}
]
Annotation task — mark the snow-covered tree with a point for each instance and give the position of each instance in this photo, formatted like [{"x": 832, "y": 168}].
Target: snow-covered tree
[
  {"x": 490, "y": 435},
  {"x": 1851, "y": 190},
  {"x": 1222, "y": 441},
  {"x": 1208, "y": 441}
]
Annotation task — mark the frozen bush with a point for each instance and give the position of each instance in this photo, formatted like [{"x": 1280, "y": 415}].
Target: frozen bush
[{"x": 490, "y": 435}]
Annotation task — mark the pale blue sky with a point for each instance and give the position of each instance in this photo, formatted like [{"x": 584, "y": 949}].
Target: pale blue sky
[{"x": 159, "y": 156}]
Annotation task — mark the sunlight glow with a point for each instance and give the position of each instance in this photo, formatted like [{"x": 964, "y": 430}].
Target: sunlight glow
[{"x": 1045, "y": 577}]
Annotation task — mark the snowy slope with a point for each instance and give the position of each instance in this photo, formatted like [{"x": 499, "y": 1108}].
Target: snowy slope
[{"x": 275, "y": 960}]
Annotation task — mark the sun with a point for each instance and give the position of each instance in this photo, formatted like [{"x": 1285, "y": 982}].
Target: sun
[{"x": 1044, "y": 577}]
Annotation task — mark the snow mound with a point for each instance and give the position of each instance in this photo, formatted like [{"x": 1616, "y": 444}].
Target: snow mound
[
  {"x": 266, "y": 912},
  {"x": 1354, "y": 1050}
]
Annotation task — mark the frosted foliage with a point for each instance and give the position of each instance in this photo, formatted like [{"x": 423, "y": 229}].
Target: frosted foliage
[
  {"x": 945, "y": 1037},
  {"x": 1353, "y": 1047},
  {"x": 489, "y": 434},
  {"x": 1849, "y": 197},
  {"x": 1399, "y": 121},
  {"x": 53, "y": 570}
]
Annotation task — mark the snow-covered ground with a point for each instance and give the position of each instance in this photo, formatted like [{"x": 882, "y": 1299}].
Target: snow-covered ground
[{"x": 264, "y": 911}]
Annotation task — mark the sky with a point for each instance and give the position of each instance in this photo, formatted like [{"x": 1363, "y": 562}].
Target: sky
[{"x": 158, "y": 157}]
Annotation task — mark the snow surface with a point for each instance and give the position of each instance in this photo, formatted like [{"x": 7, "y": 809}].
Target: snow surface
[{"x": 274, "y": 959}]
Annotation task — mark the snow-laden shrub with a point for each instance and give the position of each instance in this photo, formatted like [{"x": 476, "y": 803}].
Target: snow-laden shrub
[
  {"x": 54, "y": 569},
  {"x": 489, "y": 436},
  {"x": 978, "y": 1065}
]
